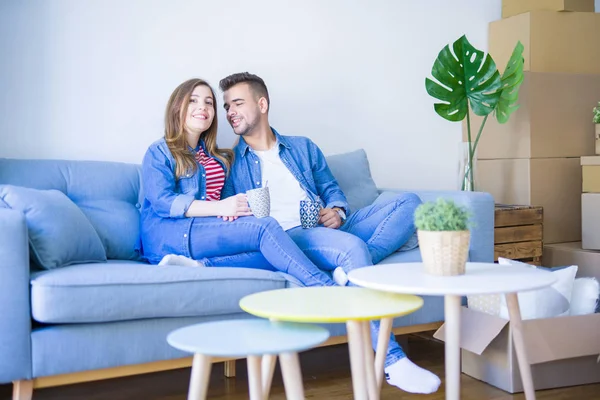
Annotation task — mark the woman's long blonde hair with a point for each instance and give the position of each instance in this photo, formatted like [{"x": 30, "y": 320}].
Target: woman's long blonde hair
[{"x": 175, "y": 130}]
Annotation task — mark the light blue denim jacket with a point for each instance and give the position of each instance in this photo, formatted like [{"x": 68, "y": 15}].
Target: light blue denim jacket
[
  {"x": 304, "y": 160},
  {"x": 164, "y": 228}
]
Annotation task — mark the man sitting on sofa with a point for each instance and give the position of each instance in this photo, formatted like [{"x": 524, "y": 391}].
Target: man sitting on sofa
[{"x": 295, "y": 169}]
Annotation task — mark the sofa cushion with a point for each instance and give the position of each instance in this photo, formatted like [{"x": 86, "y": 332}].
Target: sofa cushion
[
  {"x": 118, "y": 291},
  {"x": 108, "y": 193},
  {"x": 408, "y": 256},
  {"x": 59, "y": 233},
  {"x": 353, "y": 174}
]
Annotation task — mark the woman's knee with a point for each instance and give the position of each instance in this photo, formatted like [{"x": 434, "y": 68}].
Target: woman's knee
[
  {"x": 355, "y": 249},
  {"x": 267, "y": 223}
]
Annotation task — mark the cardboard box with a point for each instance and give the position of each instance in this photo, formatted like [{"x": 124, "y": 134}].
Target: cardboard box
[
  {"x": 562, "y": 351},
  {"x": 488, "y": 350},
  {"x": 553, "y": 119},
  {"x": 553, "y": 41},
  {"x": 590, "y": 221},
  {"x": 572, "y": 253},
  {"x": 514, "y": 7},
  {"x": 590, "y": 174},
  {"x": 552, "y": 183}
]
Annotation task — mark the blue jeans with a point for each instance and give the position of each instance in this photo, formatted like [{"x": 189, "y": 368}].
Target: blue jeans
[
  {"x": 214, "y": 242},
  {"x": 367, "y": 237},
  {"x": 385, "y": 226}
]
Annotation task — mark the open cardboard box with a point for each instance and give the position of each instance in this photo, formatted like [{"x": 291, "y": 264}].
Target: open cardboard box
[{"x": 562, "y": 351}]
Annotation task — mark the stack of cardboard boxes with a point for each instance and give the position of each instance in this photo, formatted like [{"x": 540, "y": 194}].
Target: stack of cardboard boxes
[
  {"x": 586, "y": 252},
  {"x": 536, "y": 159}
]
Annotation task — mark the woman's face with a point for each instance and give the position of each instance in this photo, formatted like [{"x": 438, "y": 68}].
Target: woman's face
[{"x": 200, "y": 110}]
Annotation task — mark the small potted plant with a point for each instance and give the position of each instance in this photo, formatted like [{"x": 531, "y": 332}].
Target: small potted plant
[
  {"x": 596, "y": 120},
  {"x": 444, "y": 237}
]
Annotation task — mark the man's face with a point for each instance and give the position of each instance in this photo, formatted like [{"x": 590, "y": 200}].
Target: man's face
[{"x": 243, "y": 111}]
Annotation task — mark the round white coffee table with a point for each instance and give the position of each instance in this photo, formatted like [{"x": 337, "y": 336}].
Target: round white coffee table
[{"x": 480, "y": 278}]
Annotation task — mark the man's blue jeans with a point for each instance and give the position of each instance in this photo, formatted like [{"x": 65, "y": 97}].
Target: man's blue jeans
[{"x": 367, "y": 237}]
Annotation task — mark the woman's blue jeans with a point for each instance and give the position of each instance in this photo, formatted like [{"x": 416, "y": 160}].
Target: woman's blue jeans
[{"x": 216, "y": 242}]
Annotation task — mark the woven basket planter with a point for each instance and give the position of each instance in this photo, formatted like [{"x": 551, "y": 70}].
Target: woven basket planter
[{"x": 444, "y": 252}]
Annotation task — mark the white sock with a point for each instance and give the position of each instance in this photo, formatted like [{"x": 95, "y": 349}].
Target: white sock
[
  {"x": 174, "y": 259},
  {"x": 411, "y": 378},
  {"x": 340, "y": 277}
]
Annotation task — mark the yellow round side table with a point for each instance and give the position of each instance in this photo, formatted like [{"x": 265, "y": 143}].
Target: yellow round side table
[{"x": 355, "y": 307}]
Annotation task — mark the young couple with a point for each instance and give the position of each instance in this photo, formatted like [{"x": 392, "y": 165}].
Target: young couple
[{"x": 195, "y": 204}]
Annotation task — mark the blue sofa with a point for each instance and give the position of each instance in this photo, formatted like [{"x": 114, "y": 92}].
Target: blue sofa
[{"x": 102, "y": 315}]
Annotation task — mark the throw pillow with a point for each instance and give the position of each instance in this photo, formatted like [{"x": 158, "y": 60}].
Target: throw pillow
[
  {"x": 353, "y": 175},
  {"x": 411, "y": 244},
  {"x": 59, "y": 232},
  {"x": 584, "y": 300},
  {"x": 547, "y": 302}
]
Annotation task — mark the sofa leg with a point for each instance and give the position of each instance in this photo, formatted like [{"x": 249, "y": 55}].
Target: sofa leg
[
  {"x": 230, "y": 369},
  {"x": 22, "y": 390}
]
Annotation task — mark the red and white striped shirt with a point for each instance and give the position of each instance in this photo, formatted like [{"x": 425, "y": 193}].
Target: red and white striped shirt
[{"x": 215, "y": 175}]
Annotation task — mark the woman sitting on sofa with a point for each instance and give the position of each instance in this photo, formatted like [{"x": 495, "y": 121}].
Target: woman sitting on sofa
[{"x": 182, "y": 176}]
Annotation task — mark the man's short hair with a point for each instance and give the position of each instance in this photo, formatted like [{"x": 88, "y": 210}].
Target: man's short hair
[{"x": 257, "y": 85}]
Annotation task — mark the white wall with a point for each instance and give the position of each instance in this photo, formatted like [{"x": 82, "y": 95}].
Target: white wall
[{"x": 89, "y": 79}]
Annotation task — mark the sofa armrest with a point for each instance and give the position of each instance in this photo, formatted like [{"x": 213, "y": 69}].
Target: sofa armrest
[
  {"x": 15, "y": 311},
  {"x": 481, "y": 207}
]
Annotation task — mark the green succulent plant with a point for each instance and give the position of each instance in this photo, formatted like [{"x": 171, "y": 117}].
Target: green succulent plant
[
  {"x": 469, "y": 79},
  {"x": 441, "y": 215},
  {"x": 597, "y": 114}
]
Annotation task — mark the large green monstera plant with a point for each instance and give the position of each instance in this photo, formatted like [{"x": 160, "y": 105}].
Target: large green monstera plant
[{"x": 469, "y": 80}]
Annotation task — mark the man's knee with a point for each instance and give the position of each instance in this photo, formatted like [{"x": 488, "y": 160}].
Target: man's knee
[{"x": 409, "y": 200}]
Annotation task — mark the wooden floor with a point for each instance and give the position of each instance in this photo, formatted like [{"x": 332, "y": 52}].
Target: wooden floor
[{"x": 326, "y": 376}]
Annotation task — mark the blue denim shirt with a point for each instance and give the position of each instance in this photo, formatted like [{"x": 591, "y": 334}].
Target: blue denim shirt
[
  {"x": 164, "y": 228},
  {"x": 304, "y": 160}
]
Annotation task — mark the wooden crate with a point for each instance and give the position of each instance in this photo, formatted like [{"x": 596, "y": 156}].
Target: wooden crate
[{"x": 518, "y": 233}]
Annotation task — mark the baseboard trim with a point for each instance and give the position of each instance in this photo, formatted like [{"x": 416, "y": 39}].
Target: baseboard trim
[{"x": 157, "y": 366}]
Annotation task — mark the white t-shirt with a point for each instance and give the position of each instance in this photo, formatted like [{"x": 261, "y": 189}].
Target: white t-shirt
[{"x": 285, "y": 191}]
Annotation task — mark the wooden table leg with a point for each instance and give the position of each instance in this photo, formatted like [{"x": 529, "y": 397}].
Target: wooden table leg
[
  {"x": 201, "y": 366},
  {"x": 229, "y": 368},
  {"x": 254, "y": 377},
  {"x": 452, "y": 306},
  {"x": 292, "y": 376},
  {"x": 372, "y": 387},
  {"x": 357, "y": 360},
  {"x": 268, "y": 367},
  {"x": 22, "y": 390},
  {"x": 516, "y": 327},
  {"x": 383, "y": 340}
]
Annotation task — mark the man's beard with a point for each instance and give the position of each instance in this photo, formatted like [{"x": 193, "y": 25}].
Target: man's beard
[{"x": 249, "y": 128}]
